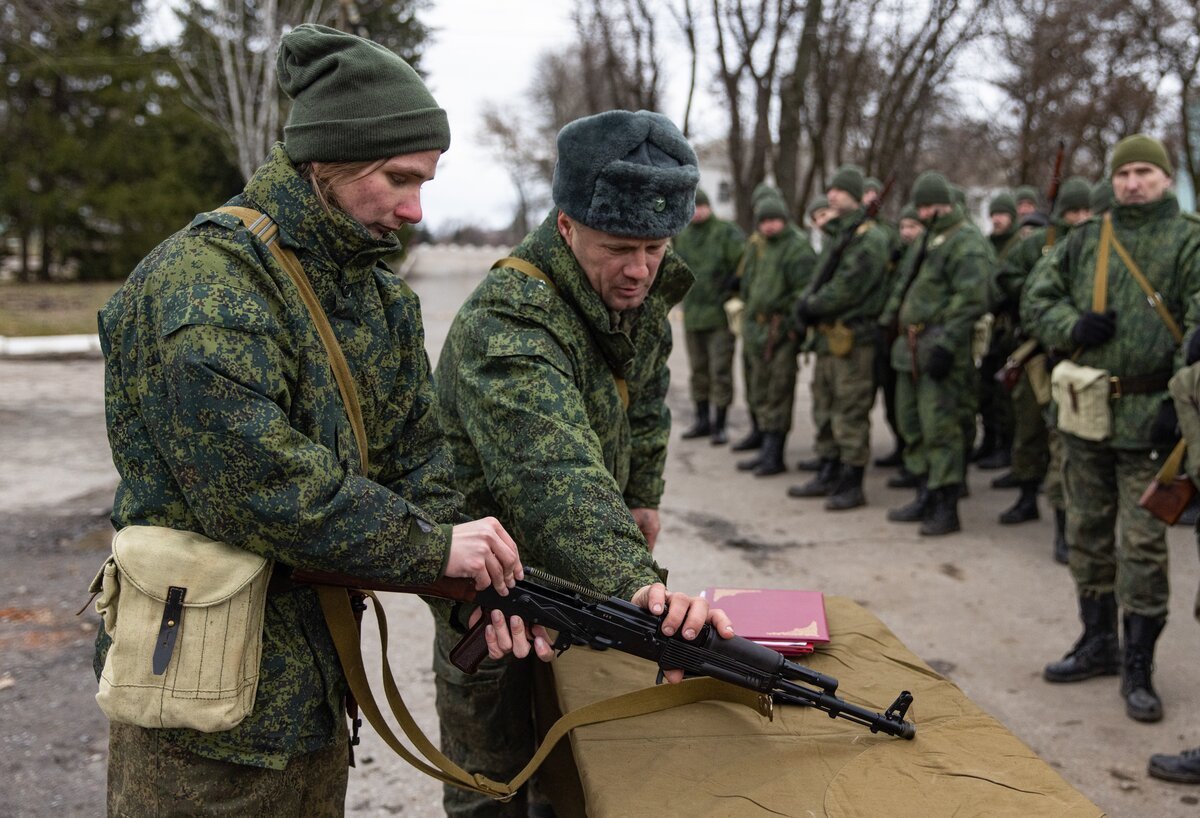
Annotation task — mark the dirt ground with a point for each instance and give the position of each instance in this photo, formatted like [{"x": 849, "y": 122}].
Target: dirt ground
[{"x": 987, "y": 607}]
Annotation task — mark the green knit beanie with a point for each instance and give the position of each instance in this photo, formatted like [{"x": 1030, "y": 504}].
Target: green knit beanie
[
  {"x": 1101, "y": 198},
  {"x": 1075, "y": 194},
  {"x": 931, "y": 188},
  {"x": 819, "y": 203},
  {"x": 770, "y": 207},
  {"x": 910, "y": 212},
  {"x": 1003, "y": 203},
  {"x": 1141, "y": 148},
  {"x": 626, "y": 174},
  {"x": 850, "y": 179},
  {"x": 1025, "y": 193},
  {"x": 871, "y": 183},
  {"x": 701, "y": 197},
  {"x": 764, "y": 189},
  {"x": 353, "y": 100},
  {"x": 958, "y": 194}
]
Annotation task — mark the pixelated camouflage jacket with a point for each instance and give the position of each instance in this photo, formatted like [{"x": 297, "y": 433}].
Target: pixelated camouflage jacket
[
  {"x": 224, "y": 418},
  {"x": 1018, "y": 263},
  {"x": 1166, "y": 246},
  {"x": 950, "y": 290},
  {"x": 539, "y": 434},
  {"x": 712, "y": 249},
  {"x": 774, "y": 276},
  {"x": 855, "y": 294}
]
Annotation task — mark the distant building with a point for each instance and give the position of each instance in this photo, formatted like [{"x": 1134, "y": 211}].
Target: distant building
[{"x": 716, "y": 178}]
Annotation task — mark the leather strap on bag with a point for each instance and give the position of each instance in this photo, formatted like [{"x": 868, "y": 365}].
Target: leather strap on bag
[
  {"x": 1173, "y": 463},
  {"x": 523, "y": 266}
]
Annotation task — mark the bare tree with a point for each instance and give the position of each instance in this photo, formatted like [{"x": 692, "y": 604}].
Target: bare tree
[
  {"x": 750, "y": 39},
  {"x": 685, "y": 19}
]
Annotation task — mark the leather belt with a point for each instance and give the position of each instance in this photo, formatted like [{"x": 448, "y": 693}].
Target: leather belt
[{"x": 1138, "y": 384}]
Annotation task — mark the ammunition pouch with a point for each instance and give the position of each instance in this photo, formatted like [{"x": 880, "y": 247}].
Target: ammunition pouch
[
  {"x": 1082, "y": 394},
  {"x": 839, "y": 337}
]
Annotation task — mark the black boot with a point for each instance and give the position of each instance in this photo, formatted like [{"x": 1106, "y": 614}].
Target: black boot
[
  {"x": 1000, "y": 458},
  {"x": 1182, "y": 769},
  {"x": 1060, "y": 536},
  {"x": 893, "y": 460},
  {"x": 848, "y": 493},
  {"x": 1097, "y": 653},
  {"x": 986, "y": 446},
  {"x": 719, "y": 436},
  {"x": 903, "y": 479},
  {"x": 915, "y": 511},
  {"x": 1141, "y": 632},
  {"x": 1025, "y": 509},
  {"x": 810, "y": 465},
  {"x": 823, "y": 484},
  {"x": 772, "y": 455},
  {"x": 702, "y": 427},
  {"x": 943, "y": 512},
  {"x": 750, "y": 442},
  {"x": 1006, "y": 481}
]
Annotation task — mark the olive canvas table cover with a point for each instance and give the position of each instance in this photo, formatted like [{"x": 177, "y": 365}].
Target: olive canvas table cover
[{"x": 718, "y": 759}]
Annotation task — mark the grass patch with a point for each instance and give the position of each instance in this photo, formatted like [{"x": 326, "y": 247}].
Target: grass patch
[{"x": 53, "y": 309}]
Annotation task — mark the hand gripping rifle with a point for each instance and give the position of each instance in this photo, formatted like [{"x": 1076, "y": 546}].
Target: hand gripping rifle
[
  {"x": 835, "y": 255},
  {"x": 583, "y": 617}
]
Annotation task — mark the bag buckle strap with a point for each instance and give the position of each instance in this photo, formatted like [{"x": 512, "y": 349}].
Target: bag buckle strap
[
  {"x": 168, "y": 631},
  {"x": 1114, "y": 387}
]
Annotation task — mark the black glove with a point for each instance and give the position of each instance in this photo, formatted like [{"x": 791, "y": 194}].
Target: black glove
[
  {"x": 802, "y": 317},
  {"x": 1164, "y": 432},
  {"x": 1094, "y": 328},
  {"x": 1193, "y": 348},
  {"x": 940, "y": 361}
]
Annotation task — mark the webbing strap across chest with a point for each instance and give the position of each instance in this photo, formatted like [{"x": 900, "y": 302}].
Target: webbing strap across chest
[
  {"x": 1109, "y": 243},
  {"x": 531, "y": 270},
  {"x": 266, "y": 231}
]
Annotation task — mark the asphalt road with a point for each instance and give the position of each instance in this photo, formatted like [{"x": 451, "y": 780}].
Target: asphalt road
[{"x": 986, "y": 608}]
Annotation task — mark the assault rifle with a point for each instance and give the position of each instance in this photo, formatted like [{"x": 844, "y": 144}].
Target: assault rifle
[
  {"x": 583, "y": 617},
  {"x": 835, "y": 255}
]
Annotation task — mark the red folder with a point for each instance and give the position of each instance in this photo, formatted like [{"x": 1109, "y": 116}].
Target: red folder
[{"x": 791, "y": 622}]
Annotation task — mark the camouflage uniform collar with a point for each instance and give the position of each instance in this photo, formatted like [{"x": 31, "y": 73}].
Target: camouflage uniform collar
[
  {"x": 948, "y": 220},
  {"x": 1136, "y": 215},
  {"x": 838, "y": 224},
  {"x": 544, "y": 247},
  {"x": 279, "y": 191}
]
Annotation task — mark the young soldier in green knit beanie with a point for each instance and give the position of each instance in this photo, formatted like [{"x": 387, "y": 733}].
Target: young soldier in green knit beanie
[{"x": 241, "y": 434}]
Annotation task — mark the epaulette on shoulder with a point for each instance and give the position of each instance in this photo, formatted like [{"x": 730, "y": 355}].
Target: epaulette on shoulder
[{"x": 226, "y": 220}]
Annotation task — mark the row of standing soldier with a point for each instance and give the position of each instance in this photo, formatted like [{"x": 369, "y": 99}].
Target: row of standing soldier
[{"x": 900, "y": 310}]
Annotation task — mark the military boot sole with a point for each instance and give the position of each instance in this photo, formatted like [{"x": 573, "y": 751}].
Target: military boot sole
[
  {"x": 749, "y": 465},
  {"x": 932, "y": 528},
  {"x": 1015, "y": 516},
  {"x": 845, "y": 501},
  {"x": 907, "y": 514},
  {"x": 1066, "y": 675},
  {"x": 1178, "y": 768},
  {"x": 1146, "y": 713}
]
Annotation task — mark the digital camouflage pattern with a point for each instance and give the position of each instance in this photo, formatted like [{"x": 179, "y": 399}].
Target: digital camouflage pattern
[
  {"x": 856, "y": 294},
  {"x": 949, "y": 292},
  {"x": 777, "y": 270},
  {"x": 535, "y": 423},
  {"x": 542, "y": 440},
  {"x": 711, "y": 249},
  {"x": 149, "y": 775},
  {"x": 224, "y": 418},
  {"x": 1166, "y": 245},
  {"x": 710, "y": 359}
]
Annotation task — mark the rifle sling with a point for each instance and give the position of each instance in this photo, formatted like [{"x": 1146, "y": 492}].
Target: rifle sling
[
  {"x": 640, "y": 702},
  {"x": 346, "y": 632}
]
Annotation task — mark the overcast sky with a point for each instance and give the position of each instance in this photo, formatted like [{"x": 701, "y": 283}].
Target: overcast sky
[{"x": 483, "y": 50}]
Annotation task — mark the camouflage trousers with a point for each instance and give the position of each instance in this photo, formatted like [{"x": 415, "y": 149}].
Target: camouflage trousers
[
  {"x": 843, "y": 391},
  {"x": 710, "y": 356},
  {"x": 1115, "y": 545},
  {"x": 933, "y": 417},
  {"x": 148, "y": 776},
  {"x": 1031, "y": 442},
  {"x": 486, "y": 723},
  {"x": 771, "y": 384},
  {"x": 1055, "y": 490}
]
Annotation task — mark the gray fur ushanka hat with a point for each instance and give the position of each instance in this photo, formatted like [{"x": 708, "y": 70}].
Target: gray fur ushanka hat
[{"x": 627, "y": 174}]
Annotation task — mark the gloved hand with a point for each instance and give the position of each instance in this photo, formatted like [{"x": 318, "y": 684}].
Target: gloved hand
[
  {"x": 802, "y": 317},
  {"x": 1193, "y": 348},
  {"x": 940, "y": 362},
  {"x": 1094, "y": 328},
  {"x": 1164, "y": 432}
]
